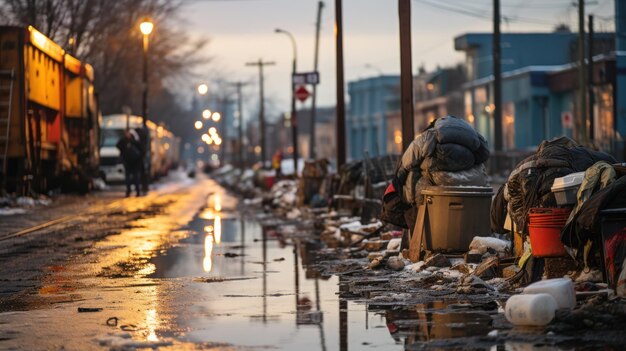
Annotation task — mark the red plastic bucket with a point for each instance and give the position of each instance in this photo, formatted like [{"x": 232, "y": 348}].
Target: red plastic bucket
[
  {"x": 546, "y": 241},
  {"x": 544, "y": 229}
]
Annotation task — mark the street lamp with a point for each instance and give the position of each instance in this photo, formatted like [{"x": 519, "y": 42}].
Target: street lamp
[
  {"x": 198, "y": 125},
  {"x": 216, "y": 116},
  {"x": 203, "y": 89},
  {"x": 294, "y": 124},
  {"x": 206, "y": 114},
  {"x": 146, "y": 26}
]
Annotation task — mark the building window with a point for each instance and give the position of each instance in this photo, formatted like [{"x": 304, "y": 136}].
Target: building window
[{"x": 508, "y": 115}]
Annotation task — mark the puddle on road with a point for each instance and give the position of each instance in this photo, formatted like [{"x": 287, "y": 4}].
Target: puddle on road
[
  {"x": 252, "y": 290},
  {"x": 248, "y": 289}
]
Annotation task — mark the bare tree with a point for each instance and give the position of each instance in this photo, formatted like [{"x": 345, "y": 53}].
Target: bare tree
[{"x": 105, "y": 34}]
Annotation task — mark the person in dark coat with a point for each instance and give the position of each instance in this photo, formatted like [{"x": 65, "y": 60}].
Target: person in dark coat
[{"x": 131, "y": 155}]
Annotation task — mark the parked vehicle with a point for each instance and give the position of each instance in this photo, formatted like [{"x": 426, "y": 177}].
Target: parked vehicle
[
  {"x": 164, "y": 150},
  {"x": 48, "y": 115}
]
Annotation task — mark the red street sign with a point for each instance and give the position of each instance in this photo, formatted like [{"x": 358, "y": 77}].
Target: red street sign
[{"x": 302, "y": 94}]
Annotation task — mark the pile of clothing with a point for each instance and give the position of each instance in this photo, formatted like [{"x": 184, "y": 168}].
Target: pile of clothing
[
  {"x": 449, "y": 152},
  {"x": 529, "y": 185}
]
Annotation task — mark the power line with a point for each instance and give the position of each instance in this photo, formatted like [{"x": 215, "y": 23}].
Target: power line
[{"x": 478, "y": 13}]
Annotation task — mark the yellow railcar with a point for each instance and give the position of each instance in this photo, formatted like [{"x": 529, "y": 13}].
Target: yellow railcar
[{"x": 48, "y": 115}]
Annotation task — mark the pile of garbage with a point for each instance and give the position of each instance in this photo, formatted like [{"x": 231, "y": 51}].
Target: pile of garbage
[
  {"x": 448, "y": 153},
  {"x": 530, "y": 183}
]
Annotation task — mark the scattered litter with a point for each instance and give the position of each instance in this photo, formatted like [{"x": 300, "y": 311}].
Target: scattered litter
[
  {"x": 471, "y": 284},
  {"x": 561, "y": 289},
  {"x": 488, "y": 268},
  {"x": 395, "y": 263},
  {"x": 592, "y": 275},
  {"x": 220, "y": 279},
  {"x": 480, "y": 244},
  {"x": 89, "y": 309},
  {"x": 394, "y": 244},
  {"x": 129, "y": 327},
  {"x": 530, "y": 309},
  {"x": 437, "y": 260},
  {"x": 112, "y": 322}
]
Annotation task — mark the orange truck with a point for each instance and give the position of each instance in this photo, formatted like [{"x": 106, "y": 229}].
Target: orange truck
[{"x": 49, "y": 116}]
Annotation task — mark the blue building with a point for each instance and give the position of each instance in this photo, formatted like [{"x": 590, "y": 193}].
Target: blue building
[
  {"x": 371, "y": 99},
  {"x": 539, "y": 86}
]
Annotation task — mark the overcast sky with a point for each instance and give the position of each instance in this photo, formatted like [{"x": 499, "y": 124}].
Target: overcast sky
[{"x": 243, "y": 30}]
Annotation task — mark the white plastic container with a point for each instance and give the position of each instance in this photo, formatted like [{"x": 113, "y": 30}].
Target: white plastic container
[
  {"x": 565, "y": 188},
  {"x": 530, "y": 309},
  {"x": 561, "y": 289}
]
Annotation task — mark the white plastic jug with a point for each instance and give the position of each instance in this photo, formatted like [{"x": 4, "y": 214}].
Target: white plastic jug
[
  {"x": 530, "y": 309},
  {"x": 561, "y": 289}
]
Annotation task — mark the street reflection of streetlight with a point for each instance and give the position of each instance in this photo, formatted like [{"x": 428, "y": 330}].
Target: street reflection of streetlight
[
  {"x": 207, "y": 262},
  {"x": 217, "y": 229},
  {"x": 198, "y": 125},
  {"x": 216, "y": 116},
  {"x": 203, "y": 89},
  {"x": 206, "y": 114}
]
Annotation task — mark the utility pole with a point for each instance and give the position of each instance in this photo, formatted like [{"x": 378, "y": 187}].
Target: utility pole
[
  {"x": 240, "y": 160},
  {"x": 406, "y": 74},
  {"x": 582, "y": 91},
  {"x": 497, "y": 83},
  {"x": 294, "y": 113},
  {"x": 340, "y": 109},
  {"x": 590, "y": 80},
  {"x": 261, "y": 64},
  {"x": 320, "y": 5}
]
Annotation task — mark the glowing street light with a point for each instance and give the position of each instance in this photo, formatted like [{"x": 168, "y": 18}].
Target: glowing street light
[
  {"x": 216, "y": 116},
  {"x": 203, "y": 89},
  {"x": 206, "y": 138},
  {"x": 206, "y": 114},
  {"x": 198, "y": 125},
  {"x": 146, "y": 26},
  {"x": 212, "y": 130},
  {"x": 218, "y": 141}
]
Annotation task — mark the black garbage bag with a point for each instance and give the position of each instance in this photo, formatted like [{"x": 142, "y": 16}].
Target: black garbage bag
[
  {"x": 451, "y": 129},
  {"x": 452, "y": 157}
]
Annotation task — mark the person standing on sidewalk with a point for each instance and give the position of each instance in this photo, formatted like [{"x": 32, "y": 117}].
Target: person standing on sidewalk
[{"x": 131, "y": 154}]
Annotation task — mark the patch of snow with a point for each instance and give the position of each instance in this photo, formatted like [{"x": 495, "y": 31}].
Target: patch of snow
[{"x": 10, "y": 211}]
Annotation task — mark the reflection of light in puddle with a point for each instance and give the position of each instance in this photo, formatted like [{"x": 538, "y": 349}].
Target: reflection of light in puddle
[
  {"x": 218, "y": 203},
  {"x": 207, "y": 262},
  {"x": 147, "y": 270},
  {"x": 151, "y": 323},
  {"x": 217, "y": 228},
  {"x": 207, "y": 213}
]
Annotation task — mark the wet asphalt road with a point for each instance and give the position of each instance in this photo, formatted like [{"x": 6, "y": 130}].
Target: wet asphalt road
[{"x": 181, "y": 268}]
